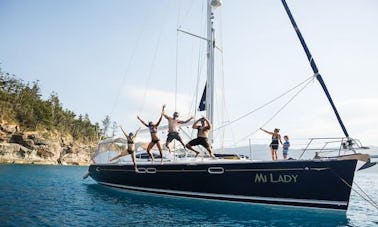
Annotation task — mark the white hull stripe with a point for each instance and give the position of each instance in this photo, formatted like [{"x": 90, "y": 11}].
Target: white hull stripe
[{"x": 252, "y": 198}]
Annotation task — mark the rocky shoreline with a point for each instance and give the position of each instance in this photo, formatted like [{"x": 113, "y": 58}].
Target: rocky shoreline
[{"x": 42, "y": 147}]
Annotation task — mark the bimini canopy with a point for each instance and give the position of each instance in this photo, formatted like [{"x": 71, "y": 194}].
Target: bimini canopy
[
  {"x": 109, "y": 148},
  {"x": 112, "y": 144},
  {"x": 113, "y": 140}
]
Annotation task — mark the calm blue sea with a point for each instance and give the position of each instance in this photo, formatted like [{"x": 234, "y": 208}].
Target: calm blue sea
[{"x": 32, "y": 195}]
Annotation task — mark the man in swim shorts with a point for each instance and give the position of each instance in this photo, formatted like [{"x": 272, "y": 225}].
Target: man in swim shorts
[
  {"x": 173, "y": 123},
  {"x": 202, "y": 136}
]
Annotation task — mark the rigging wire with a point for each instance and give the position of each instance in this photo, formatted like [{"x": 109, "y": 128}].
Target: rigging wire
[
  {"x": 362, "y": 195},
  {"x": 188, "y": 12},
  {"x": 367, "y": 195},
  {"x": 179, "y": 25},
  {"x": 194, "y": 100},
  {"x": 279, "y": 110},
  {"x": 199, "y": 68},
  {"x": 153, "y": 62},
  {"x": 287, "y": 103},
  {"x": 231, "y": 128},
  {"x": 177, "y": 53},
  {"x": 220, "y": 93},
  {"x": 118, "y": 94},
  {"x": 223, "y": 95},
  {"x": 311, "y": 78},
  {"x": 194, "y": 104}
]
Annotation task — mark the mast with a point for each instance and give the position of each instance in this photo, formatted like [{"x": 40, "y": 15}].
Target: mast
[
  {"x": 211, "y": 4},
  {"x": 314, "y": 67}
]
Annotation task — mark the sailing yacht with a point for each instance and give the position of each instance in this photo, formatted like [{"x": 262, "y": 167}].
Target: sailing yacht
[{"x": 321, "y": 182}]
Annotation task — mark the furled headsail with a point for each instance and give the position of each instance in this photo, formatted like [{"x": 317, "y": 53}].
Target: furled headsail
[{"x": 314, "y": 67}]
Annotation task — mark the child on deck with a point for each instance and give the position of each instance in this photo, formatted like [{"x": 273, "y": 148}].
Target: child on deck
[{"x": 286, "y": 146}]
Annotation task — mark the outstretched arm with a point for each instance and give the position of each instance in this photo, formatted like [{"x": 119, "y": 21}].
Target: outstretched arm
[
  {"x": 165, "y": 116},
  {"x": 144, "y": 123},
  {"x": 136, "y": 132},
  {"x": 163, "y": 112},
  {"x": 124, "y": 133},
  {"x": 158, "y": 123},
  {"x": 184, "y": 122},
  {"x": 270, "y": 133}
]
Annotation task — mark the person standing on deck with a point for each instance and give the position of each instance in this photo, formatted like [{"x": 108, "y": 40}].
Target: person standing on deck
[
  {"x": 130, "y": 147},
  {"x": 173, "y": 123},
  {"x": 285, "y": 147},
  {"x": 154, "y": 136},
  {"x": 202, "y": 136},
  {"x": 276, "y": 139}
]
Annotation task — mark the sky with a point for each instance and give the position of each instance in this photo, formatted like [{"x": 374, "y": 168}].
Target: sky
[{"x": 125, "y": 58}]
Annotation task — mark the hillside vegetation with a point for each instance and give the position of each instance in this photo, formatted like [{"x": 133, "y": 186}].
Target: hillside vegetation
[
  {"x": 34, "y": 130},
  {"x": 21, "y": 104}
]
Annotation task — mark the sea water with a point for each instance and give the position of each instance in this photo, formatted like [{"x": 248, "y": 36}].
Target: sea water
[{"x": 37, "y": 195}]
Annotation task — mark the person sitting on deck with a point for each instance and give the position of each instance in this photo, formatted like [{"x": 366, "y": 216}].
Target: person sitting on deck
[
  {"x": 154, "y": 136},
  {"x": 202, "y": 136},
  {"x": 173, "y": 123},
  {"x": 130, "y": 147}
]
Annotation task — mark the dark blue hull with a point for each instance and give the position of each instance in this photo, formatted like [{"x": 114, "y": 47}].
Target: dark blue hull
[{"x": 311, "y": 183}]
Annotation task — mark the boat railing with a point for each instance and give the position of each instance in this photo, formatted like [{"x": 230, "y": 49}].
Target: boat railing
[{"x": 332, "y": 145}]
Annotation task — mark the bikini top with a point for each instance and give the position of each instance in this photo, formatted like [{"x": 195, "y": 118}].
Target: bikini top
[{"x": 153, "y": 129}]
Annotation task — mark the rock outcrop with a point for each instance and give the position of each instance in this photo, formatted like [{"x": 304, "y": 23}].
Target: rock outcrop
[{"x": 42, "y": 147}]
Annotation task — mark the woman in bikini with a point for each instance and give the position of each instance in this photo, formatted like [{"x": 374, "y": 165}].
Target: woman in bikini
[
  {"x": 154, "y": 137},
  {"x": 130, "y": 147},
  {"x": 276, "y": 139}
]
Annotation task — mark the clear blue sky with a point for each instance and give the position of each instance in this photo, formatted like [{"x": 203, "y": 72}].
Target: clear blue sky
[{"x": 119, "y": 58}]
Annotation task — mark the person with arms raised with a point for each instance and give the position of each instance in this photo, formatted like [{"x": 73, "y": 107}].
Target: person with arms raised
[
  {"x": 173, "y": 123},
  {"x": 202, "y": 136},
  {"x": 130, "y": 147},
  {"x": 154, "y": 136}
]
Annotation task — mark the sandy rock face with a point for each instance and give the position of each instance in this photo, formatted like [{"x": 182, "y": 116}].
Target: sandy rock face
[{"x": 34, "y": 148}]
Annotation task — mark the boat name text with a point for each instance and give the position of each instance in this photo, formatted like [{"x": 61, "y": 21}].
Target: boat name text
[{"x": 275, "y": 178}]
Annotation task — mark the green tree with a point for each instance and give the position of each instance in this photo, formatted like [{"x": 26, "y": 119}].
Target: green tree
[
  {"x": 22, "y": 103},
  {"x": 105, "y": 126}
]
